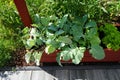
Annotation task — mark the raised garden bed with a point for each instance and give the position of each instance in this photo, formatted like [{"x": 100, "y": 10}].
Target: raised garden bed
[{"x": 110, "y": 55}]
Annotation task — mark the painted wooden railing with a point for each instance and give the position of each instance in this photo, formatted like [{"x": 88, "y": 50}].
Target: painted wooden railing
[{"x": 23, "y": 12}]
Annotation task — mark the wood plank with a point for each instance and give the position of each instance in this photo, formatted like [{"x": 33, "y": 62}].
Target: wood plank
[
  {"x": 50, "y": 77},
  {"x": 73, "y": 74},
  {"x": 118, "y": 70},
  {"x": 81, "y": 75},
  {"x": 77, "y": 75},
  {"x": 113, "y": 74},
  {"x": 37, "y": 75},
  {"x": 17, "y": 75},
  {"x": 95, "y": 75},
  {"x": 62, "y": 74},
  {"x": 42, "y": 75}
]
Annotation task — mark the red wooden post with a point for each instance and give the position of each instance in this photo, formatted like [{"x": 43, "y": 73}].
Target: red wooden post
[{"x": 23, "y": 12}]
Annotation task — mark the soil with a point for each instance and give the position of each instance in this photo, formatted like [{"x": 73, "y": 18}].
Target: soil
[{"x": 19, "y": 58}]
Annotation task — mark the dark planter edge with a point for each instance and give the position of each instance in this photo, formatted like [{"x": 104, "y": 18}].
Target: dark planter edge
[
  {"x": 110, "y": 56},
  {"x": 73, "y": 67}
]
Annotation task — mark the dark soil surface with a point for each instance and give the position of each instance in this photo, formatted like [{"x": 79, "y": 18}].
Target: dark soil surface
[{"x": 19, "y": 58}]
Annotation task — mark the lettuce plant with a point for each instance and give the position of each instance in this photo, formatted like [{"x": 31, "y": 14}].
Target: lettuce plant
[{"x": 111, "y": 36}]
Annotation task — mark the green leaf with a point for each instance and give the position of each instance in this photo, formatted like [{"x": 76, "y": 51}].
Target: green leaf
[
  {"x": 34, "y": 32},
  {"x": 63, "y": 21},
  {"x": 36, "y": 18},
  {"x": 58, "y": 59},
  {"x": 104, "y": 9},
  {"x": 62, "y": 45},
  {"x": 53, "y": 43},
  {"x": 31, "y": 43},
  {"x": 39, "y": 41},
  {"x": 83, "y": 20},
  {"x": 76, "y": 60},
  {"x": 37, "y": 57},
  {"x": 82, "y": 42},
  {"x": 91, "y": 33},
  {"x": 50, "y": 35},
  {"x": 67, "y": 55},
  {"x": 53, "y": 17},
  {"x": 44, "y": 21},
  {"x": 91, "y": 24},
  {"x": 95, "y": 40},
  {"x": 82, "y": 49},
  {"x": 25, "y": 30},
  {"x": 66, "y": 28},
  {"x": 64, "y": 55},
  {"x": 76, "y": 54},
  {"x": 34, "y": 25},
  {"x": 97, "y": 52},
  {"x": 79, "y": 55},
  {"x": 52, "y": 28},
  {"x": 64, "y": 39},
  {"x": 28, "y": 56},
  {"x": 59, "y": 32},
  {"x": 50, "y": 49},
  {"x": 49, "y": 41},
  {"x": 77, "y": 32}
]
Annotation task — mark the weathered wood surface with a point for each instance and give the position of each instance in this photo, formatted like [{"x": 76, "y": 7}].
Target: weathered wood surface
[{"x": 61, "y": 74}]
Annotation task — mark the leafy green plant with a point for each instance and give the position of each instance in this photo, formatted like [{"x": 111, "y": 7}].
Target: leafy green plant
[
  {"x": 83, "y": 35},
  {"x": 9, "y": 15},
  {"x": 9, "y": 42},
  {"x": 111, "y": 36},
  {"x": 99, "y": 10},
  {"x": 112, "y": 7},
  {"x": 5, "y": 55},
  {"x": 72, "y": 36},
  {"x": 10, "y": 25}
]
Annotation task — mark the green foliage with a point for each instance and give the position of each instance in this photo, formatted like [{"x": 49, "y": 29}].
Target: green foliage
[
  {"x": 71, "y": 35},
  {"x": 10, "y": 38},
  {"x": 8, "y": 15},
  {"x": 97, "y": 52},
  {"x": 35, "y": 56},
  {"x": 99, "y": 10},
  {"x": 5, "y": 55},
  {"x": 83, "y": 35},
  {"x": 111, "y": 36},
  {"x": 76, "y": 54},
  {"x": 32, "y": 39},
  {"x": 9, "y": 31},
  {"x": 10, "y": 24}
]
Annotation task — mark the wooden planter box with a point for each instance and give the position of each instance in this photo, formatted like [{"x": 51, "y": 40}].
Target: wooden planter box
[{"x": 110, "y": 55}]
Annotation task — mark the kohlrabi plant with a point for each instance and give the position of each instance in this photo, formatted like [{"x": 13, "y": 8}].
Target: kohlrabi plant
[
  {"x": 71, "y": 35},
  {"x": 79, "y": 35}
]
